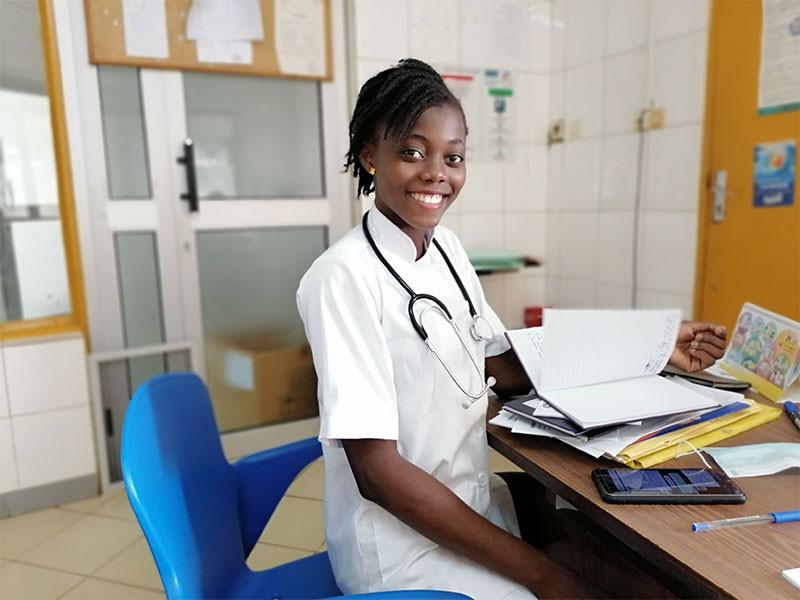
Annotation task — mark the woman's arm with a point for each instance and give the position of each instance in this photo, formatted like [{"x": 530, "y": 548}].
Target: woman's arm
[
  {"x": 511, "y": 377},
  {"x": 430, "y": 508}
]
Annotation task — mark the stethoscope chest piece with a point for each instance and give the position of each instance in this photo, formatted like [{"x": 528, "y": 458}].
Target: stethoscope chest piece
[{"x": 480, "y": 330}]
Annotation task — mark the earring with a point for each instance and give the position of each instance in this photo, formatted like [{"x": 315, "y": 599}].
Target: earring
[{"x": 371, "y": 171}]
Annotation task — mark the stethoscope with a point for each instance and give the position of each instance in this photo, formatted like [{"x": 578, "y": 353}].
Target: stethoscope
[{"x": 480, "y": 329}]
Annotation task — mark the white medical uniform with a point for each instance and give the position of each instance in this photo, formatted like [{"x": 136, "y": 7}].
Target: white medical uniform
[{"x": 377, "y": 379}]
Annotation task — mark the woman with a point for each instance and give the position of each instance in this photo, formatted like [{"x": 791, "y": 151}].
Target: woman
[{"x": 409, "y": 499}]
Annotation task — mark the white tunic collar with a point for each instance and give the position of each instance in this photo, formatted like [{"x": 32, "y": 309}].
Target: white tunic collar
[{"x": 390, "y": 237}]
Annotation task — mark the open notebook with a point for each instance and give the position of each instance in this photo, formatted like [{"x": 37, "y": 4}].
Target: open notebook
[{"x": 600, "y": 367}]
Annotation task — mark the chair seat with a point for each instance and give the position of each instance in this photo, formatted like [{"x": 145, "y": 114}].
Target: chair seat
[{"x": 308, "y": 578}]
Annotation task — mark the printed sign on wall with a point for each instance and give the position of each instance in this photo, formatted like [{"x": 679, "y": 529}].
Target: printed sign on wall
[{"x": 775, "y": 166}]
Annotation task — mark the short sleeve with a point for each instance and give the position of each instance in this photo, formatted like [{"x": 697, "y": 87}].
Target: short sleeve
[{"x": 342, "y": 322}]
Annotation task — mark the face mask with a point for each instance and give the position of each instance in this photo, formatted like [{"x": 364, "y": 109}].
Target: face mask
[{"x": 756, "y": 459}]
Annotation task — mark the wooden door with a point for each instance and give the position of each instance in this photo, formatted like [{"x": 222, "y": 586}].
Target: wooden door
[{"x": 754, "y": 253}]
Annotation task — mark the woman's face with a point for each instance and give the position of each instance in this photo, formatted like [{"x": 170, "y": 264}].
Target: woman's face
[{"x": 419, "y": 177}]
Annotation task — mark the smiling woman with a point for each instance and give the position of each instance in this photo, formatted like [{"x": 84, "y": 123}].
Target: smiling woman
[
  {"x": 405, "y": 347},
  {"x": 40, "y": 279}
]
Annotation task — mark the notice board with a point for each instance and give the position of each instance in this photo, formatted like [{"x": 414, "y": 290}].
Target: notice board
[{"x": 295, "y": 35}]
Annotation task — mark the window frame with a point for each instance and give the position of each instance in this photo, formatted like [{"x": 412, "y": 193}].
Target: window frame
[{"x": 76, "y": 320}]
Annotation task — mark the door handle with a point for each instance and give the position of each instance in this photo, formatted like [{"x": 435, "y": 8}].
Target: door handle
[
  {"x": 719, "y": 186},
  {"x": 187, "y": 160}
]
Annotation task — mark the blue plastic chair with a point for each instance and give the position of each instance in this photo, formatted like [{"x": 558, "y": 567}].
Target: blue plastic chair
[{"x": 202, "y": 515}]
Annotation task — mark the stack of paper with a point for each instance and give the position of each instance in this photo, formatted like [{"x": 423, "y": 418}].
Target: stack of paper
[
  {"x": 597, "y": 388},
  {"x": 652, "y": 441},
  {"x": 600, "y": 367}
]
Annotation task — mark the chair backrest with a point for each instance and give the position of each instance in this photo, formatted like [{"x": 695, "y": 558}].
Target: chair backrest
[{"x": 181, "y": 487}]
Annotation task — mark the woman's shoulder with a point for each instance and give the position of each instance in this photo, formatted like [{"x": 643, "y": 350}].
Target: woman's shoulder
[{"x": 343, "y": 263}]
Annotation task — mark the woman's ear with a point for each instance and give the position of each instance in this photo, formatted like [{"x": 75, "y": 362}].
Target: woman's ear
[{"x": 367, "y": 157}]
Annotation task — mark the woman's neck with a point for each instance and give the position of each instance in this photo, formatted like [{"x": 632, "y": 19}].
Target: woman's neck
[{"x": 421, "y": 238}]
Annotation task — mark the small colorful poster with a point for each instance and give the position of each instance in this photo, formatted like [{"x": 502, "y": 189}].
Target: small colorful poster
[
  {"x": 764, "y": 350},
  {"x": 775, "y": 167}
]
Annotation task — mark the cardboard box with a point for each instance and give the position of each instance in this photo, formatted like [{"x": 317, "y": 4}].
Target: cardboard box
[{"x": 251, "y": 382}]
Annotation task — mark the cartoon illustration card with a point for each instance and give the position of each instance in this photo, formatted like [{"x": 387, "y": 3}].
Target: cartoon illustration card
[{"x": 764, "y": 350}]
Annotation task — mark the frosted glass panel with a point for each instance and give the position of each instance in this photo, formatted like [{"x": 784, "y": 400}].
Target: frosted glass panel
[
  {"x": 254, "y": 339},
  {"x": 255, "y": 137},
  {"x": 124, "y": 134},
  {"x": 119, "y": 379},
  {"x": 140, "y": 298}
]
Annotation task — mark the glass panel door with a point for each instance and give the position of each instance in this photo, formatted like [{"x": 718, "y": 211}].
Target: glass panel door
[
  {"x": 270, "y": 197},
  {"x": 222, "y": 279}
]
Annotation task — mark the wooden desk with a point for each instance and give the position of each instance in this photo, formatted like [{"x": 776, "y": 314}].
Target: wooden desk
[{"x": 742, "y": 562}]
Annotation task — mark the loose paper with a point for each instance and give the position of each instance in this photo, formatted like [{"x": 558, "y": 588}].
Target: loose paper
[
  {"x": 225, "y": 21},
  {"x": 300, "y": 36},
  {"x": 779, "y": 81},
  {"x": 144, "y": 23}
]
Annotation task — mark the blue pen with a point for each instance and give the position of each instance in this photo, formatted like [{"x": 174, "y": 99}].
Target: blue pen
[
  {"x": 793, "y": 412},
  {"x": 785, "y": 516}
]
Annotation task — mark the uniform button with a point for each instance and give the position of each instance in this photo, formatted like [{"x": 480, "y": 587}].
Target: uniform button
[{"x": 482, "y": 478}]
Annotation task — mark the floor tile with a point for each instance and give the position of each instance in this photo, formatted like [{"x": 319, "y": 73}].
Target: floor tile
[
  {"x": 134, "y": 566},
  {"x": 90, "y": 504},
  {"x": 310, "y": 483},
  {"x": 94, "y": 589},
  {"x": 85, "y": 546},
  {"x": 118, "y": 508},
  {"x": 297, "y": 523},
  {"x": 266, "y": 556},
  {"x": 20, "y": 534},
  {"x": 499, "y": 463},
  {"x": 19, "y": 582}
]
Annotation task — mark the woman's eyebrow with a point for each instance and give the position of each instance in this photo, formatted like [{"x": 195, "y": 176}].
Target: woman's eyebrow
[{"x": 419, "y": 136}]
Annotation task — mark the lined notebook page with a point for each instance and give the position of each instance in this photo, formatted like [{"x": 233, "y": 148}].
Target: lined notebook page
[
  {"x": 529, "y": 348},
  {"x": 586, "y": 347}
]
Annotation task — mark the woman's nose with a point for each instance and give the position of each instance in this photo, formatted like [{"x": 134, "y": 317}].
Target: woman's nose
[{"x": 433, "y": 174}]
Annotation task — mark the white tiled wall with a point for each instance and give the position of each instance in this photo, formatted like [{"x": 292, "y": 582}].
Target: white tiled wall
[
  {"x": 502, "y": 205},
  {"x": 612, "y": 58},
  {"x": 45, "y": 424}
]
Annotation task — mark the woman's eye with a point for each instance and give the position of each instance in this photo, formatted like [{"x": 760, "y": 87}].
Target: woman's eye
[
  {"x": 412, "y": 153},
  {"x": 455, "y": 158}
]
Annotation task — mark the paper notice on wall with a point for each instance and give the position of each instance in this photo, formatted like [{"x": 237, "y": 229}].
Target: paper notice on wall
[
  {"x": 300, "y": 36},
  {"x": 145, "y": 26},
  {"x": 498, "y": 124},
  {"x": 487, "y": 98},
  {"x": 234, "y": 53},
  {"x": 779, "y": 77},
  {"x": 225, "y": 21}
]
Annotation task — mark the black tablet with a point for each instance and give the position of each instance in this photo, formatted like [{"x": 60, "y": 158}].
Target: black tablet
[{"x": 666, "y": 486}]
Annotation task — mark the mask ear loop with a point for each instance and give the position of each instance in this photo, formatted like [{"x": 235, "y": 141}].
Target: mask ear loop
[{"x": 695, "y": 450}]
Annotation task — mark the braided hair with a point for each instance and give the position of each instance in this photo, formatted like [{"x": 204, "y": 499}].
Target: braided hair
[{"x": 393, "y": 100}]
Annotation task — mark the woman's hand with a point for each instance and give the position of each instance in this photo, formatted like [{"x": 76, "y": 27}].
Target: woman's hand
[{"x": 699, "y": 346}]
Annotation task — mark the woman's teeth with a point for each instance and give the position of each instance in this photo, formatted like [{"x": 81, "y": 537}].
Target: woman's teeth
[{"x": 431, "y": 199}]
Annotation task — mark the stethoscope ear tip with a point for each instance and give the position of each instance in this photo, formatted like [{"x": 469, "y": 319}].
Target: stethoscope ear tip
[{"x": 491, "y": 381}]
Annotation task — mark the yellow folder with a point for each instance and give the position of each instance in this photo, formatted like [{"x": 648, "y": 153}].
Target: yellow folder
[{"x": 653, "y": 451}]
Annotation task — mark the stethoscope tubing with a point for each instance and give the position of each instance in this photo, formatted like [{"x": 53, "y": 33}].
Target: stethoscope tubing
[{"x": 420, "y": 329}]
